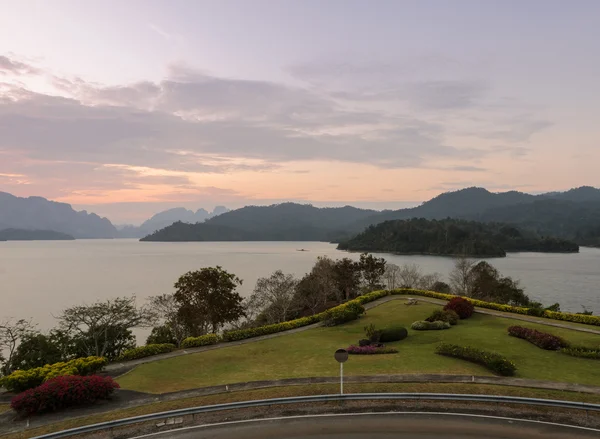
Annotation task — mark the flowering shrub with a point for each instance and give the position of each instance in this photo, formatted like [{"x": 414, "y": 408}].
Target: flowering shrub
[
  {"x": 63, "y": 391},
  {"x": 540, "y": 339},
  {"x": 583, "y": 352},
  {"x": 423, "y": 325},
  {"x": 370, "y": 350},
  {"x": 443, "y": 316},
  {"x": 203, "y": 340},
  {"x": 21, "y": 380},
  {"x": 146, "y": 351},
  {"x": 491, "y": 360},
  {"x": 460, "y": 306}
]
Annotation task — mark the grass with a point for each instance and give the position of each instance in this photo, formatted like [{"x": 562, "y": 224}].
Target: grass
[
  {"x": 310, "y": 353},
  {"x": 4, "y": 408},
  {"x": 317, "y": 389}
]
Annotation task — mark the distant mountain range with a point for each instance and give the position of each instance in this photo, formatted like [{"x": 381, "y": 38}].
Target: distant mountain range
[
  {"x": 40, "y": 214},
  {"x": 33, "y": 235},
  {"x": 574, "y": 215}
]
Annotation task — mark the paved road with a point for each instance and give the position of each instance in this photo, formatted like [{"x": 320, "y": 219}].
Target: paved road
[{"x": 382, "y": 426}]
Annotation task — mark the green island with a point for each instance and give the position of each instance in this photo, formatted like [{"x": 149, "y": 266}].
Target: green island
[{"x": 453, "y": 237}]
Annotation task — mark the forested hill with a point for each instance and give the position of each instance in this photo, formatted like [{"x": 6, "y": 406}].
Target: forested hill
[
  {"x": 278, "y": 222},
  {"x": 452, "y": 237},
  {"x": 33, "y": 235}
]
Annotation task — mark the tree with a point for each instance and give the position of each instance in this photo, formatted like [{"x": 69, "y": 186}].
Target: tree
[
  {"x": 317, "y": 287},
  {"x": 347, "y": 278},
  {"x": 461, "y": 280},
  {"x": 392, "y": 276},
  {"x": 273, "y": 296},
  {"x": 208, "y": 300},
  {"x": 11, "y": 334},
  {"x": 488, "y": 285},
  {"x": 441, "y": 287},
  {"x": 409, "y": 276},
  {"x": 372, "y": 269},
  {"x": 103, "y": 328},
  {"x": 36, "y": 350},
  {"x": 166, "y": 310},
  {"x": 427, "y": 281}
]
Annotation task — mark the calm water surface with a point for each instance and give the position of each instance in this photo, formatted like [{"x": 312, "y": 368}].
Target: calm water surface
[{"x": 39, "y": 279}]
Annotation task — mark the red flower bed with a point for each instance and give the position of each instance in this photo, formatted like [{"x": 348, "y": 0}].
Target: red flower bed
[
  {"x": 460, "y": 306},
  {"x": 63, "y": 391},
  {"x": 538, "y": 338}
]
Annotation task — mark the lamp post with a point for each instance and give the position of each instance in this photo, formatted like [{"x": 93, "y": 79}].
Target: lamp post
[{"x": 341, "y": 356}]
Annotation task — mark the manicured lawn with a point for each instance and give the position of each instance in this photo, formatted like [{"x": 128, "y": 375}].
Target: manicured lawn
[
  {"x": 4, "y": 408},
  {"x": 310, "y": 353},
  {"x": 315, "y": 389}
]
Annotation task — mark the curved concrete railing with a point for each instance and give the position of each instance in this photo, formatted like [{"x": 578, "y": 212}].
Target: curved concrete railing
[{"x": 322, "y": 398}]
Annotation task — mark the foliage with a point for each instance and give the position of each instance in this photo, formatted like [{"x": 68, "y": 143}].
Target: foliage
[
  {"x": 273, "y": 297},
  {"x": 208, "y": 300},
  {"x": 172, "y": 328},
  {"x": 343, "y": 313},
  {"x": 449, "y": 316},
  {"x": 461, "y": 306},
  {"x": 441, "y": 287},
  {"x": 393, "y": 333},
  {"x": 582, "y": 352},
  {"x": 347, "y": 276},
  {"x": 370, "y": 350},
  {"x": 146, "y": 351},
  {"x": 373, "y": 270},
  {"x": 242, "y": 334},
  {"x": 202, "y": 340},
  {"x": 371, "y": 332},
  {"x": 103, "y": 329},
  {"x": 63, "y": 391},
  {"x": 423, "y": 325},
  {"x": 391, "y": 276},
  {"x": 314, "y": 288},
  {"x": 364, "y": 342},
  {"x": 12, "y": 333},
  {"x": 461, "y": 279},
  {"x": 540, "y": 339},
  {"x": 451, "y": 237},
  {"x": 491, "y": 360},
  {"x": 21, "y": 380},
  {"x": 35, "y": 350},
  {"x": 488, "y": 285}
]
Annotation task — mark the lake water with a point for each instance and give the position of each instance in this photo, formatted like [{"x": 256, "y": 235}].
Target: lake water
[{"x": 40, "y": 278}]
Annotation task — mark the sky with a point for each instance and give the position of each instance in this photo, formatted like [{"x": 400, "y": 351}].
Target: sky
[{"x": 125, "y": 108}]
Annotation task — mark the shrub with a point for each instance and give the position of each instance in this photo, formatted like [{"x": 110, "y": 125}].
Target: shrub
[
  {"x": 146, "y": 351},
  {"x": 393, "y": 333},
  {"x": 425, "y": 326},
  {"x": 582, "y": 352},
  {"x": 203, "y": 340},
  {"x": 364, "y": 342},
  {"x": 63, "y": 391},
  {"x": 443, "y": 316},
  {"x": 370, "y": 350},
  {"x": 372, "y": 296},
  {"x": 491, "y": 360},
  {"x": 536, "y": 312},
  {"x": 343, "y": 313},
  {"x": 21, "y": 380},
  {"x": 242, "y": 334},
  {"x": 540, "y": 339},
  {"x": 460, "y": 306}
]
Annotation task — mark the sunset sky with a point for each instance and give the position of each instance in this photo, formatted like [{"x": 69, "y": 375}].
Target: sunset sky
[{"x": 126, "y": 108}]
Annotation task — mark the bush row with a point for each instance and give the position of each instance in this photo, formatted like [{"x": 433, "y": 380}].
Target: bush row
[
  {"x": 491, "y": 360},
  {"x": 21, "y": 380},
  {"x": 540, "y": 339},
  {"x": 583, "y": 352},
  {"x": 426, "y": 326},
  {"x": 146, "y": 351},
  {"x": 63, "y": 391},
  {"x": 564, "y": 316},
  {"x": 370, "y": 350},
  {"x": 203, "y": 340}
]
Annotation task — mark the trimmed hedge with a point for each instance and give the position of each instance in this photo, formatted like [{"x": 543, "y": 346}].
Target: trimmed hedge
[
  {"x": 346, "y": 312},
  {"x": 491, "y": 360},
  {"x": 460, "y": 306},
  {"x": 540, "y": 339},
  {"x": 564, "y": 316},
  {"x": 393, "y": 333},
  {"x": 203, "y": 340},
  {"x": 439, "y": 315},
  {"x": 146, "y": 351},
  {"x": 582, "y": 352},
  {"x": 63, "y": 391},
  {"x": 423, "y": 325},
  {"x": 21, "y": 380},
  {"x": 370, "y": 350},
  {"x": 242, "y": 334}
]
